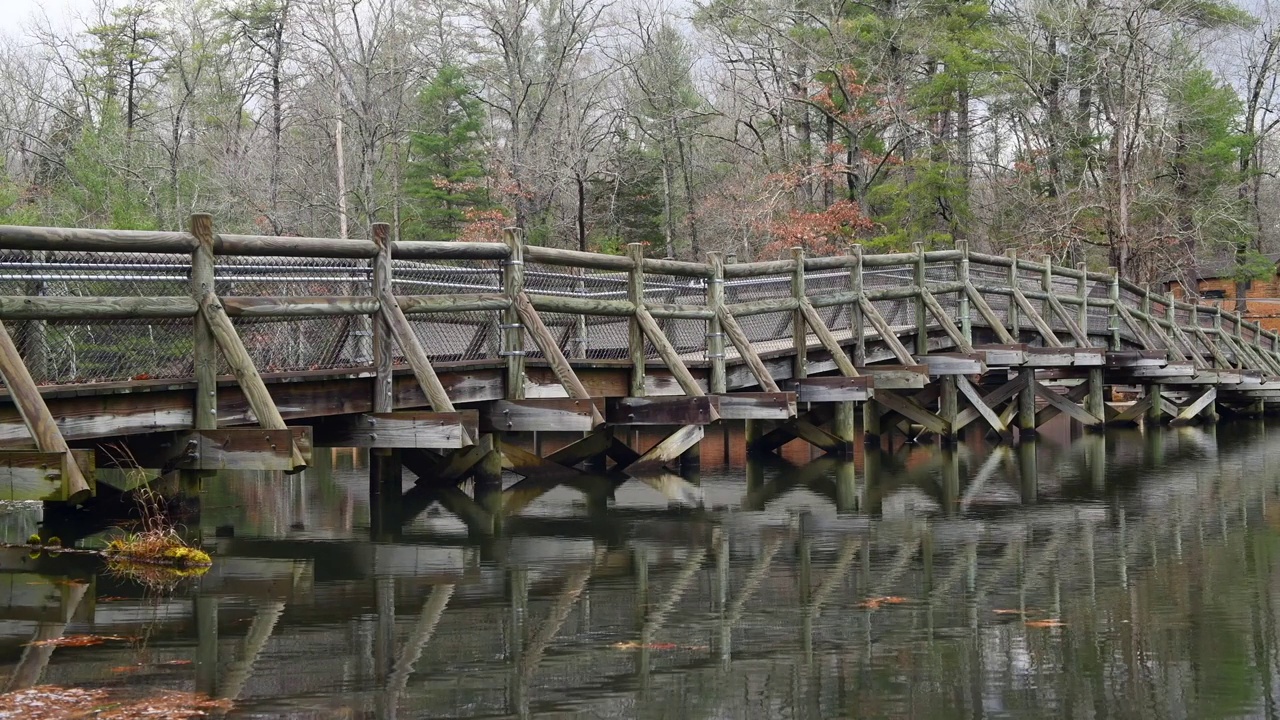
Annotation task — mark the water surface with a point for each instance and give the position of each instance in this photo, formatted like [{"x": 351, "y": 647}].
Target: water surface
[{"x": 1128, "y": 575}]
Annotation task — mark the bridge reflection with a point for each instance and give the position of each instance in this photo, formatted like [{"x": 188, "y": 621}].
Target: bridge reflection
[{"x": 810, "y": 576}]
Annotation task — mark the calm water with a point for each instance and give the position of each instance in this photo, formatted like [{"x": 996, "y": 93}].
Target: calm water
[{"x": 1125, "y": 576}]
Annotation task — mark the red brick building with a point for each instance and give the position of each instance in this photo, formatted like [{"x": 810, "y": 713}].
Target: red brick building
[{"x": 1217, "y": 287}]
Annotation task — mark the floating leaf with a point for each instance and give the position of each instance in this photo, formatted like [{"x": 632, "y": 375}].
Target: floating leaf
[
  {"x": 875, "y": 602},
  {"x": 655, "y": 646},
  {"x": 78, "y": 640},
  {"x": 1050, "y": 623}
]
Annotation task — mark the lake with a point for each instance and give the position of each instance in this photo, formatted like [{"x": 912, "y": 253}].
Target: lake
[{"x": 1125, "y": 575}]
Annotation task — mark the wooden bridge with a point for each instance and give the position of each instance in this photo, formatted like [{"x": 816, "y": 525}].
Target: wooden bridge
[{"x": 220, "y": 351}]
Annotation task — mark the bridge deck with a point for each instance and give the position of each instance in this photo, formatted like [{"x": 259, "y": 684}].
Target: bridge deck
[{"x": 244, "y": 350}]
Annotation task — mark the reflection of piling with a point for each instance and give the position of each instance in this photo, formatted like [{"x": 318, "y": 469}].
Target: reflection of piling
[
  {"x": 260, "y": 630},
  {"x": 1028, "y": 471},
  {"x": 429, "y": 617},
  {"x": 206, "y": 644},
  {"x": 35, "y": 658}
]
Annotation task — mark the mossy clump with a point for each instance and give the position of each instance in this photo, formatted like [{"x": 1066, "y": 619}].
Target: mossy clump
[{"x": 158, "y": 560}]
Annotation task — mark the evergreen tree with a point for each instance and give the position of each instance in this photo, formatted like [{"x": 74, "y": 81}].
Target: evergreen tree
[{"x": 445, "y": 182}]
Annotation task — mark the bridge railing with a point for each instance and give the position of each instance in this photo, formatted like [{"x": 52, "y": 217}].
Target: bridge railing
[{"x": 109, "y": 306}]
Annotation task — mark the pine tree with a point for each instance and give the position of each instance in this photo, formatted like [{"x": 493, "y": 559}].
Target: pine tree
[{"x": 445, "y": 181}]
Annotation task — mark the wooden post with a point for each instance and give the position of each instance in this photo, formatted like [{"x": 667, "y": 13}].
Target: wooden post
[
  {"x": 715, "y": 333},
  {"x": 1155, "y": 411},
  {"x": 1095, "y": 402},
  {"x": 1014, "y": 328},
  {"x": 1113, "y": 319},
  {"x": 580, "y": 320},
  {"x": 922, "y": 316},
  {"x": 962, "y": 274},
  {"x": 799, "y": 328},
  {"x": 1046, "y": 282},
  {"x": 871, "y": 425},
  {"x": 1027, "y": 402},
  {"x": 204, "y": 347},
  {"x": 948, "y": 405},
  {"x": 1082, "y": 292},
  {"x": 843, "y": 424},
  {"x": 635, "y": 336},
  {"x": 512, "y": 329},
  {"x": 855, "y": 309},
  {"x": 383, "y": 349}
]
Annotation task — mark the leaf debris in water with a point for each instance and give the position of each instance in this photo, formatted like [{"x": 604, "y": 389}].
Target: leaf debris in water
[
  {"x": 52, "y": 702},
  {"x": 78, "y": 640}
]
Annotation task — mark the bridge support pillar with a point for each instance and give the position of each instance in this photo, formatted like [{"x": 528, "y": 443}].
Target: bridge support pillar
[
  {"x": 1155, "y": 409},
  {"x": 385, "y": 481},
  {"x": 1027, "y": 403},
  {"x": 871, "y": 426}
]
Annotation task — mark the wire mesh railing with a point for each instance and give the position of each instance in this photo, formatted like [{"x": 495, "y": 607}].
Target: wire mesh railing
[{"x": 66, "y": 347}]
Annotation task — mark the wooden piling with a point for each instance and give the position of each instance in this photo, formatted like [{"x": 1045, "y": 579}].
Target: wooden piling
[
  {"x": 715, "y": 332},
  {"x": 635, "y": 333},
  {"x": 204, "y": 346},
  {"x": 799, "y": 326},
  {"x": 383, "y": 345},
  {"x": 512, "y": 329}
]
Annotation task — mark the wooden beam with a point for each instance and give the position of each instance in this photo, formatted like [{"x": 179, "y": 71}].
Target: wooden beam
[
  {"x": 980, "y": 406},
  {"x": 909, "y": 409},
  {"x": 897, "y": 377},
  {"x": 669, "y": 410},
  {"x": 540, "y": 415},
  {"x": 1195, "y": 407},
  {"x": 1066, "y": 405},
  {"x": 36, "y": 416},
  {"x": 593, "y": 445},
  {"x": 834, "y": 389},
  {"x": 239, "y": 448},
  {"x": 757, "y": 406},
  {"x": 747, "y": 351},
  {"x": 1042, "y": 327},
  {"x": 828, "y": 340},
  {"x": 954, "y": 364},
  {"x": 1135, "y": 411},
  {"x": 453, "y": 468},
  {"x": 42, "y": 474},
  {"x": 413, "y": 351},
  {"x": 945, "y": 321},
  {"x": 512, "y": 330},
  {"x": 886, "y": 333},
  {"x": 992, "y": 400},
  {"x": 669, "y": 356},
  {"x": 551, "y": 351},
  {"x": 668, "y": 450},
  {"x": 1132, "y": 322},
  {"x": 993, "y": 320},
  {"x": 408, "y": 429}
]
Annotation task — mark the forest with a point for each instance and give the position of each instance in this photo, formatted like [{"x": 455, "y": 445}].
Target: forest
[{"x": 1138, "y": 134}]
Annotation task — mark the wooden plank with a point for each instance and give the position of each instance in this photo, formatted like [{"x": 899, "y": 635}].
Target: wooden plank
[
  {"x": 834, "y": 389},
  {"x": 954, "y": 364},
  {"x": 1136, "y": 358},
  {"x": 240, "y": 448},
  {"x": 897, "y": 377},
  {"x": 453, "y": 468},
  {"x": 42, "y": 474},
  {"x": 36, "y": 416},
  {"x": 672, "y": 410},
  {"x": 1172, "y": 370},
  {"x": 24, "y": 307},
  {"x": 1133, "y": 324},
  {"x": 539, "y": 415},
  {"x": 409, "y": 429},
  {"x": 756, "y": 406},
  {"x": 1077, "y": 334},
  {"x": 1013, "y": 355},
  {"x": 1065, "y": 357},
  {"x": 668, "y": 450},
  {"x": 413, "y": 351}
]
